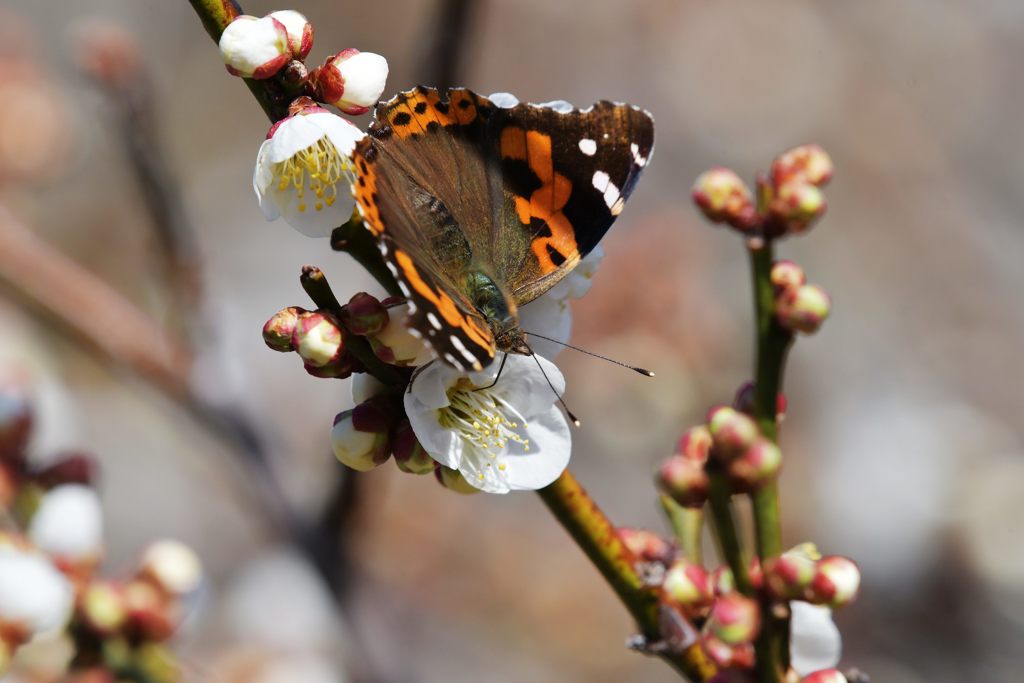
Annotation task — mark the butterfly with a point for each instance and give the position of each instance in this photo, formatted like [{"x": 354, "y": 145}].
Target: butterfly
[{"x": 480, "y": 205}]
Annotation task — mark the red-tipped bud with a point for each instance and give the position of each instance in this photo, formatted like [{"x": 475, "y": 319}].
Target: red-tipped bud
[
  {"x": 318, "y": 339},
  {"x": 787, "y": 274},
  {"x": 732, "y": 432},
  {"x": 102, "y": 608},
  {"x": 409, "y": 454},
  {"x": 803, "y": 309},
  {"x": 695, "y": 444},
  {"x": 734, "y": 619},
  {"x": 359, "y": 437},
  {"x": 278, "y": 331},
  {"x": 150, "y": 615},
  {"x": 685, "y": 480},
  {"x": 254, "y": 47},
  {"x": 744, "y": 400},
  {"x": 300, "y": 32},
  {"x": 728, "y": 656},
  {"x": 645, "y": 545},
  {"x": 825, "y": 676},
  {"x": 688, "y": 586},
  {"x": 756, "y": 466},
  {"x": 836, "y": 582},
  {"x": 351, "y": 80},
  {"x": 364, "y": 314},
  {"x": 789, "y": 576},
  {"x": 454, "y": 481},
  {"x": 723, "y": 197},
  {"x": 723, "y": 581},
  {"x": 73, "y": 468},
  {"x": 15, "y": 423},
  {"x": 808, "y": 164},
  {"x": 797, "y": 207}
]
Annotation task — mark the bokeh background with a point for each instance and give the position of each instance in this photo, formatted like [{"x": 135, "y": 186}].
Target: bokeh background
[{"x": 903, "y": 440}]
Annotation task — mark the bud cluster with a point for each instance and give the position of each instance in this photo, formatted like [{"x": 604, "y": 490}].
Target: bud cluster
[
  {"x": 799, "y": 307},
  {"x": 803, "y": 574},
  {"x": 318, "y": 338}
]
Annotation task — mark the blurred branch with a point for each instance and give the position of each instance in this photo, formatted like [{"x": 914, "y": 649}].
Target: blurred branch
[{"x": 447, "y": 47}]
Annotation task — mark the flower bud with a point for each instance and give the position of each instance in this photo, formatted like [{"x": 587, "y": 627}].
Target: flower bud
[
  {"x": 278, "y": 331},
  {"x": 102, "y": 608},
  {"x": 756, "y": 466},
  {"x": 688, "y": 585},
  {"x": 409, "y": 454},
  {"x": 255, "y": 47},
  {"x": 808, "y": 164},
  {"x": 361, "y": 447},
  {"x": 803, "y": 309},
  {"x": 72, "y": 468},
  {"x": 726, "y": 656},
  {"x": 454, "y": 481},
  {"x": 825, "y": 676},
  {"x": 797, "y": 206},
  {"x": 723, "y": 197},
  {"x": 352, "y": 80},
  {"x": 732, "y": 432},
  {"x": 734, "y": 619},
  {"x": 15, "y": 422},
  {"x": 364, "y": 314},
  {"x": 318, "y": 339},
  {"x": 150, "y": 615},
  {"x": 787, "y": 275},
  {"x": 789, "y": 576},
  {"x": 171, "y": 566},
  {"x": 836, "y": 582},
  {"x": 645, "y": 545},
  {"x": 695, "y": 444},
  {"x": 68, "y": 525},
  {"x": 723, "y": 581},
  {"x": 300, "y": 32},
  {"x": 684, "y": 480},
  {"x": 35, "y": 598}
]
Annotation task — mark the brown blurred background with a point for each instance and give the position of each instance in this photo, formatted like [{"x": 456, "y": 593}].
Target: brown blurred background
[{"x": 903, "y": 440}]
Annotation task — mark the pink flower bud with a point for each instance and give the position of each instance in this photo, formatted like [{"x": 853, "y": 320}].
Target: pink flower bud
[
  {"x": 756, "y": 466},
  {"x": 278, "y": 331},
  {"x": 789, "y": 576},
  {"x": 645, "y": 545},
  {"x": 787, "y": 275},
  {"x": 695, "y": 444},
  {"x": 726, "y": 656},
  {"x": 318, "y": 339},
  {"x": 836, "y": 582},
  {"x": 803, "y": 309},
  {"x": 798, "y": 206},
  {"x": 723, "y": 581},
  {"x": 734, "y": 619},
  {"x": 724, "y": 198},
  {"x": 409, "y": 454},
  {"x": 688, "y": 586},
  {"x": 300, "y": 32},
  {"x": 351, "y": 80},
  {"x": 361, "y": 449},
  {"x": 685, "y": 480},
  {"x": 364, "y": 314},
  {"x": 732, "y": 432},
  {"x": 255, "y": 47},
  {"x": 825, "y": 676},
  {"x": 150, "y": 615},
  {"x": 454, "y": 481},
  {"x": 808, "y": 164}
]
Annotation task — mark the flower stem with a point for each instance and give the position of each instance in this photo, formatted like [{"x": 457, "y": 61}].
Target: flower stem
[
  {"x": 687, "y": 526},
  {"x": 594, "y": 533},
  {"x": 723, "y": 525},
  {"x": 773, "y": 343}
]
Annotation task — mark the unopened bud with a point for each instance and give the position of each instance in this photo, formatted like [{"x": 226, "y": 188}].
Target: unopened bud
[
  {"x": 797, "y": 206},
  {"x": 359, "y": 437},
  {"x": 278, "y": 331},
  {"x": 318, "y": 339},
  {"x": 756, "y": 466},
  {"x": 172, "y": 566},
  {"x": 150, "y": 615},
  {"x": 688, "y": 585},
  {"x": 254, "y": 47},
  {"x": 825, "y": 676},
  {"x": 732, "y": 432},
  {"x": 789, "y": 576},
  {"x": 408, "y": 451},
  {"x": 364, "y": 314},
  {"x": 803, "y": 309},
  {"x": 454, "y": 481},
  {"x": 726, "y": 656},
  {"x": 734, "y": 619},
  {"x": 695, "y": 444},
  {"x": 723, "y": 581},
  {"x": 724, "y": 198},
  {"x": 68, "y": 525},
  {"x": 645, "y": 545},
  {"x": 102, "y": 608},
  {"x": 787, "y": 274},
  {"x": 685, "y": 480},
  {"x": 836, "y": 582},
  {"x": 804, "y": 164},
  {"x": 352, "y": 80},
  {"x": 300, "y": 32}
]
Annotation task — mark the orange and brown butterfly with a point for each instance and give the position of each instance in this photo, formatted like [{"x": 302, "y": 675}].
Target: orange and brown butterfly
[{"x": 480, "y": 205}]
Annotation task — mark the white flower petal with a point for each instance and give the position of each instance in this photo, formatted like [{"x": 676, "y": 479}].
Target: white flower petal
[
  {"x": 69, "y": 523},
  {"x": 551, "y": 446},
  {"x": 295, "y": 134},
  {"x": 550, "y": 317},
  {"x": 430, "y": 386},
  {"x": 814, "y": 639},
  {"x": 342, "y": 133},
  {"x": 523, "y": 385},
  {"x": 33, "y": 593},
  {"x": 577, "y": 283}
]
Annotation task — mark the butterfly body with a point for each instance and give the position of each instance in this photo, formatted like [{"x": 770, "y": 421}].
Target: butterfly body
[{"x": 481, "y": 205}]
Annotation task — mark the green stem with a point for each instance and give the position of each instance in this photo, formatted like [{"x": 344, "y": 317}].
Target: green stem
[
  {"x": 687, "y": 527},
  {"x": 594, "y": 533},
  {"x": 723, "y": 526}
]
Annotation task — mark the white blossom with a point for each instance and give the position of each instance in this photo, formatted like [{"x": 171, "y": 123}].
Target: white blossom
[
  {"x": 69, "y": 523},
  {"x": 33, "y": 594},
  {"x": 814, "y": 639},
  {"x": 173, "y": 565},
  {"x": 255, "y": 47},
  {"x": 352, "y": 80}
]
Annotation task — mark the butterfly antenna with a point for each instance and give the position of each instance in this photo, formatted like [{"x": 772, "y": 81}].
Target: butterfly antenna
[
  {"x": 572, "y": 418},
  {"x": 642, "y": 371}
]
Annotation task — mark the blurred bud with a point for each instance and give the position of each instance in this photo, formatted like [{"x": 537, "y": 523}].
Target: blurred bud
[
  {"x": 73, "y": 468},
  {"x": 278, "y": 331},
  {"x": 806, "y": 164},
  {"x": 695, "y": 444},
  {"x": 360, "y": 449},
  {"x": 409, "y": 454},
  {"x": 787, "y": 274},
  {"x": 15, "y": 422},
  {"x": 732, "y": 432},
  {"x": 726, "y": 656},
  {"x": 723, "y": 197},
  {"x": 150, "y": 615},
  {"x": 454, "y": 481},
  {"x": 351, "y": 80},
  {"x": 825, "y": 676},
  {"x": 645, "y": 545},
  {"x": 364, "y": 314},
  {"x": 108, "y": 53},
  {"x": 734, "y": 619},
  {"x": 102, "y": 608},
  {"x": 318, "y": 339},
  {"x": 744, "y": 400},
  {"x": 396, "y": 344},
  {"x": 797, "y": 206},
  {"x": 756, "y": 466},
  {"x": 789, "y": 576},
  {"x": 836, "y": 582},
  {"x": 300, "y": 32},
  {"x": 171, "y": 566},
  {"x": 688, "y": 585},
  {"x": 35, "y": 598},
  {"x": 68, "y": 525},
  {"x": 685, "y": 480},
  {"x": 803, "y": 309},
  {"x": 723, "y": 581},
  {"x": 254, "y": 47}
]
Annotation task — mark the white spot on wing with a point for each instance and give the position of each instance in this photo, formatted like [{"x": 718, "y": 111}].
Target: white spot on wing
[
  {"x": 588, "y": 146},
  {"x": 638, "y": 159},
  {"x": 432, "y": 319},
  {"x": 461, "y": 348},
  {"x": 503, "y": 100},
  {"x": 601, "y": 181},
  {"x": 561, "y": 106},
  {"x": 612, "y": 198}
]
